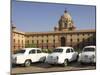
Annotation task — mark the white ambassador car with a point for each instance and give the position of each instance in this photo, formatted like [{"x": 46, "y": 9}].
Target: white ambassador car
[
  {"x": 88, "y": 55},
  {"x": 28, "y": 55},
  {"x": 62, "y": 55}
]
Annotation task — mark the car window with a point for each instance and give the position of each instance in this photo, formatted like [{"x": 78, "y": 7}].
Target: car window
[
  {"x": 32, "y": 51},
  {"x": 38, "y": 51},
  {"x": 58, "y": 50},
  {"x": 88, "y": 49},
  {"x": 72, "y": 50},
  {"x": 68, "y": 51}
]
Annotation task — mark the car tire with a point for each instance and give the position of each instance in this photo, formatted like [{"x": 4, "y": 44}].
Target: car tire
[
  {"x": 66, "y": 62},
  {"x": 27, "y": 63},
  {"x": 13, "y": 65},
  {"x": 52, "y": 64},
  {"x": 93, "y": 64},
  {"x": 81, "y": 63},
  {"x": 77, "y": 58}
]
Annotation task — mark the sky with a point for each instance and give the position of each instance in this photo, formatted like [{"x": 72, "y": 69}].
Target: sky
[{"x": 41, "y": 17}]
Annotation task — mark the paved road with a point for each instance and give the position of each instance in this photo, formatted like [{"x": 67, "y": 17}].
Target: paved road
[{"x": 43, "y": 67}]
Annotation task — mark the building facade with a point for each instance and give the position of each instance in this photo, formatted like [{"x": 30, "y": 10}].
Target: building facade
[
  {"x": 18, "y": 39},
  {"x": 64, "y": 34}
]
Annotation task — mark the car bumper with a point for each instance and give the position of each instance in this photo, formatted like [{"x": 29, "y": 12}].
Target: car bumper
[
  {"x": 16, "y": 62},
  {"x": 52, "y": 61},
  {"x": 87, "y": 60}
]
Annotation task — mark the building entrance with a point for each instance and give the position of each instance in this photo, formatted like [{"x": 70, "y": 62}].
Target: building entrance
[{"x": 63, "y": 41}]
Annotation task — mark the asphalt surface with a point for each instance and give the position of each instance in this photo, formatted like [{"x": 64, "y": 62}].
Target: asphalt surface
[{"x": 44, "y": 67}]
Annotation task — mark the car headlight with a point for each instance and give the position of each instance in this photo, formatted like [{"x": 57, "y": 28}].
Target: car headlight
[{"x": 79, "y": 54}]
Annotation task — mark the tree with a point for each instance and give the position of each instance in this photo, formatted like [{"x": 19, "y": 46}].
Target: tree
[{"x": 30, "y": 45}]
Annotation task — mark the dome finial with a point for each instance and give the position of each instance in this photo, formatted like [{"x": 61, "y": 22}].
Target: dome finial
[{"x": 65, "y": 11}]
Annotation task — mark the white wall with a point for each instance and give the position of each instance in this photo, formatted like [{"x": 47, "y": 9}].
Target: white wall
[{"x": 5, "y": 36}]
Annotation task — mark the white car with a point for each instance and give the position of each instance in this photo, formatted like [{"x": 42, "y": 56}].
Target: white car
[
  {"x": 88, "y": 55},
  {"x": 62, "y": 55},
  {"x": 28, "y": 55}
]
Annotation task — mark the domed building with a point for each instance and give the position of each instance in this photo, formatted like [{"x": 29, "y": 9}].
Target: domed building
[
  {"x": 65, "y": 22},
  {"x": 64, "y": 34}
]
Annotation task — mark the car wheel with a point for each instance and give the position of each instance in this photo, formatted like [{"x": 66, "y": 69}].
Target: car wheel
[
  {"x": 81, "y": 63},
  {"x": 94, "y": 64},
  {"x": 52, "y": 64},
  {"x": 65, "y": 63},
  {"x": 77, "y": 58},
  {"x": 27, "y": 63},
  {"x": 13, "y": 65}
]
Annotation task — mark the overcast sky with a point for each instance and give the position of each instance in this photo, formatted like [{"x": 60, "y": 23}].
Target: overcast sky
[{"x": 40, "y": 17}]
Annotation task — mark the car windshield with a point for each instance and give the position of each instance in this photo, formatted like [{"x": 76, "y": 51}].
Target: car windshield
[
  {"x": 58, "y": 50},
  {"x": 19, "y": 51},
  {"x": 88, "y": 49}
]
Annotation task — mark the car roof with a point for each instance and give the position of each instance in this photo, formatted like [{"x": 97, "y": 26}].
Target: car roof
[
  {"x": 65, "y": 47},
  {"x": 30, "y": 48},
  {"x": 92, "y": 46}
]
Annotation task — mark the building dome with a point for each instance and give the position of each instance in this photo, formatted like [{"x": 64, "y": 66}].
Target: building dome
[
  {"x": 66, "y": 15},
  {"x": 66, "y": 22}
]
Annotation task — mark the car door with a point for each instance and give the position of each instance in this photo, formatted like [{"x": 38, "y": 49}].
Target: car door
[
  {"x": 68, "y": 54},
  {"x": 73, "y": 53},
  {"x": 33, "y": 55},
  {"x": 39, "y": 54}
]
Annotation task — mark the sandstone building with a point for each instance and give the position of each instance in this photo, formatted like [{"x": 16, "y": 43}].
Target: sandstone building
[{"x": 65, "y": 34}]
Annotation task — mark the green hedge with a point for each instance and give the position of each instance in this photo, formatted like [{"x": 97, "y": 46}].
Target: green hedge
[
  {"x": 47, "y": 50},
  {"x": 30, "y": 45}
]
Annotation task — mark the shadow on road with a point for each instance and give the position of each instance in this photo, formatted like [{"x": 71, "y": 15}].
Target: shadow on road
[{"x": 45, "y": 65}]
